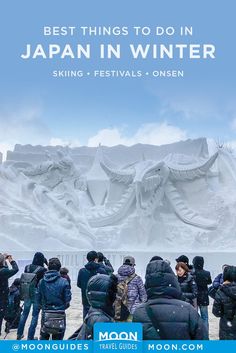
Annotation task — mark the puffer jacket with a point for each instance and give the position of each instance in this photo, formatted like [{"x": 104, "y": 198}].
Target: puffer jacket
[
  {"x": 188, "y": 288},
  {"x": 89, "y": 270},
  {"x": 13, "y": 307},
  {"x": 218, "y": 281},
  {"x": 165, "y": 315},
  {"x": 101, "y": 294},
  {"x": 202, "y": 279},
  {"x": 225, "y": 307},
  {"x": 53, "y": 292},
  {"x": 136, "y": 290}
]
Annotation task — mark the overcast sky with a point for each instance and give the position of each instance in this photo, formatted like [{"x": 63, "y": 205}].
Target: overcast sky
[{"x": 39, "y": 109}]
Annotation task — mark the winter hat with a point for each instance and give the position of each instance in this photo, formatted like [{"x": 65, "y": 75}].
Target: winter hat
[
  {"x": 38, "y": 259},
  {"x": 92, "y": 255},
  {"x": 183, "y": 258},
  {"x": 129, "y": 260},
  {"x": 154, "y": 258},
  {"x": 2, "y": 259}
]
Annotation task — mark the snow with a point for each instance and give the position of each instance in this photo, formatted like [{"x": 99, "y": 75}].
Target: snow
[
  {"x": 51, "y": 199},
  {"x": 74, "y": 320}
]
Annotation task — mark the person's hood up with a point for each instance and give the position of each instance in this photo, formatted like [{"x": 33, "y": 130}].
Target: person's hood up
[
  {"x": 51, "y": 276},
  {"x": 230, "y": 290},
  {"x": 198, "y": 262},
  {"x": 38, "y": 259},
  {"x": 126, "y": 270},
  {"x": 101, "y": 292},
  {"x": 161, "y": 281}
]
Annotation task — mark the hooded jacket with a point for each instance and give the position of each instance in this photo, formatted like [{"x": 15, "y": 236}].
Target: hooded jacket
[
  {"x": 53, "y": 292},
  {"x": 225, "y": 307},
  {"x": 136, "y": 290},
  {"x": 202, "y": 279},
  {"x": 89, "y": 270},
  {"x": 101, "y": 294},
  {"x": 37, "y": 264},
  {"x": 5, "y": 274},
  {"x": 165, "y": 316}
]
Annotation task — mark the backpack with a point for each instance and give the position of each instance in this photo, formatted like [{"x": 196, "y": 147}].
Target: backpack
[
  {"x": 121, "y": 309},
  {"x": 28, "y": 283}
]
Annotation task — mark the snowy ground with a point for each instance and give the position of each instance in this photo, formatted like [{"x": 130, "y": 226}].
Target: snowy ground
[{"x": 74, "y": 320}]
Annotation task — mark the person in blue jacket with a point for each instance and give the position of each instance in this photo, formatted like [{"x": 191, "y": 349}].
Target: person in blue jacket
[
  {"x": 54, "y": 295},
  {"x": 219, "y": 280}
]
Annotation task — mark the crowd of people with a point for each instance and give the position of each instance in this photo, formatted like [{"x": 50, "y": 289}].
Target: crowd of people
[{"x": 171, "y": 306}]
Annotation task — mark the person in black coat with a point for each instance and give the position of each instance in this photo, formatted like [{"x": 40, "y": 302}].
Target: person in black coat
[
  {"x": 91, "y": 269},
  {"x": 202, "y": 279},
  {"x": 53, "y": 294},
  {"x": 187, "y": 283},
  {"x": 5, "y": 274},
  {"x": 225, "y": 305},
  {"x": 165, "y": 316},
  {"x": 101, "y": 294},
  {"x": 12, "y": 315},
  {"x": 37, "y": 265}
]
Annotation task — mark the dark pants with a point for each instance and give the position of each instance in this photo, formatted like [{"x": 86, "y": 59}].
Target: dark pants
[
  {"x": 12, "y": 322},
  {"x": 3, "y": 308},
  {"x": 34, "y": 321},
  {"x": 46, "y": 336}
]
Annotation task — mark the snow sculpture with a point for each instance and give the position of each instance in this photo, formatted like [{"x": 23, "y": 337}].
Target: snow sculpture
[
  {"x": 181, "y": 200},
  {"x": 145, "y": 184}
]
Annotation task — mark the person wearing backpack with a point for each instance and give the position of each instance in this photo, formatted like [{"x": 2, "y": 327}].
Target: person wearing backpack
[
  {"x": 28, "y": 288},
  {"x": 130, "y": 290},
  {"x": 165, "y": 316},
  {"x": 8, "y": 268},
  {"x": 91, "y": 269},
  {"x": 53, "y": 296},
  {"x": 12, "y": 315},
  {"x": 101, "y": 293},
  {"x": 224, "y": 305}
]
